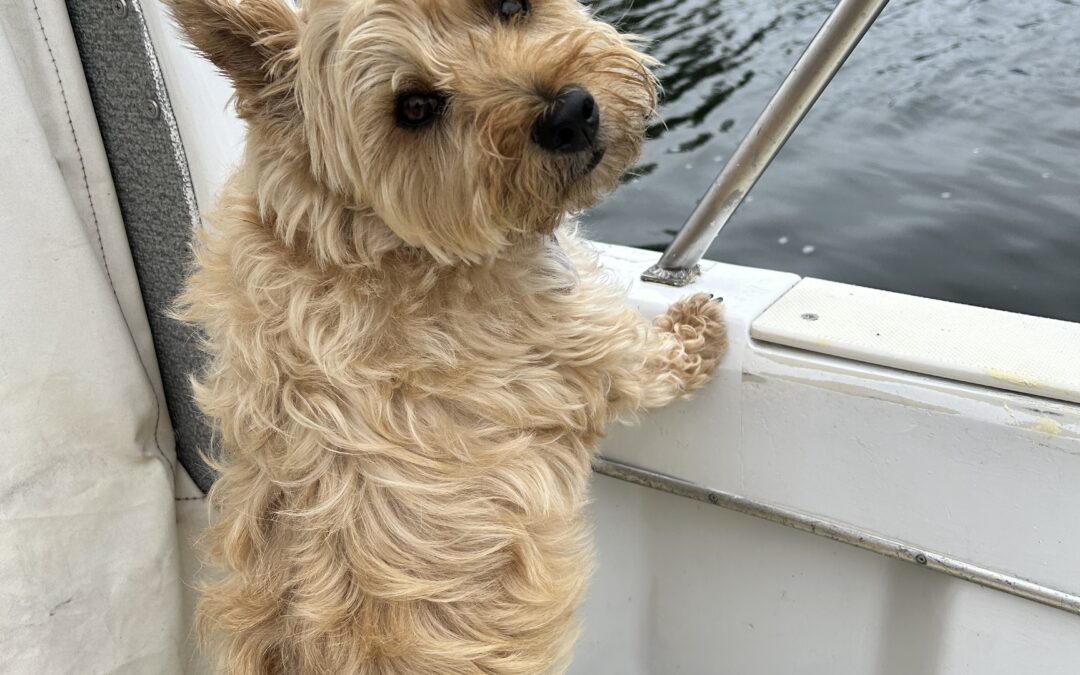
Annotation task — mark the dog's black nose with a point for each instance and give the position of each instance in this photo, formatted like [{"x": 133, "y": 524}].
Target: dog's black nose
[{"x": 571, "y": 124}]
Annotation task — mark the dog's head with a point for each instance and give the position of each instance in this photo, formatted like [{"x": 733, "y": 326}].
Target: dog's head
[{"x": 460, "y": 124}]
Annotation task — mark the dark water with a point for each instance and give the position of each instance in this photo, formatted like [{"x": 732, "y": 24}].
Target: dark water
[{"x": 943, "y": 161}]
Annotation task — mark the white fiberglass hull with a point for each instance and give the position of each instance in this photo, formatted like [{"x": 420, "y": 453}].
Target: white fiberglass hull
[{"x": 967, "y": 473}]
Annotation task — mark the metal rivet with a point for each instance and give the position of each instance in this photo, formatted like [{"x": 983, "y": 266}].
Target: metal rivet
[
  {"x": 120, "y": 8},
  {"x": 713, "y": 498},
  {"x": 152, "y": 109},
  {"x": 810, "y": 317},
  {"x": 921, "y": 559}
]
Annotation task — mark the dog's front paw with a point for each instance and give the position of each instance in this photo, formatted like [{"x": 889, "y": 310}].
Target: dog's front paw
[{"x": 697, "y": 322}]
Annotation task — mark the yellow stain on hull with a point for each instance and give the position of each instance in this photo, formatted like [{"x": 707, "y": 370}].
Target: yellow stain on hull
[
  {"x": 1047, "y": 426},
  {"x": 1017, "y": 379}
]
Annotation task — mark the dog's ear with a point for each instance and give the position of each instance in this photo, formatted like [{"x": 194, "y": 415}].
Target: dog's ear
[{"x": 251, "y": 41}]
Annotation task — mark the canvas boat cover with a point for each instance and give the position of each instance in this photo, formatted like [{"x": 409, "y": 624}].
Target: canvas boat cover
[{"x": 95, "y": 511}]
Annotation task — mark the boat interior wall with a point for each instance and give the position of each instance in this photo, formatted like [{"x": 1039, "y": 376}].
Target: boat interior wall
[
  {"x": 685, "y": 587},
  {"x": 978, "y": 474},
  {"x": 992, "y": 348},
  {"x": 89, "y": 573}
]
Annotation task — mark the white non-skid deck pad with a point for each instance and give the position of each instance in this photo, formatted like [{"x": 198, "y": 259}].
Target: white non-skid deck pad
[{"x": 997, "y": 349}]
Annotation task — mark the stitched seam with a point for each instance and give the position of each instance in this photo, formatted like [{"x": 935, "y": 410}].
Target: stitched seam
[
  {"x": 75, "y": 139},
  {"x": 97, "y": 230}
]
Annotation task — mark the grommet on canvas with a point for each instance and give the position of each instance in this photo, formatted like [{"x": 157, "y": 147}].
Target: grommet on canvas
[{"x": 152, "y": 109}]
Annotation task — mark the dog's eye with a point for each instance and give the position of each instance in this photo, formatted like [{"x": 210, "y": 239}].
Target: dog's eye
[
  {"x": 509, "y": 10},
  {"x": 418, "y": 109}
]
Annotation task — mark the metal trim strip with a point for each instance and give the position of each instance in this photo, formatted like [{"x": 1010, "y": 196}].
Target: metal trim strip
[{"x": 842, "y": 533}]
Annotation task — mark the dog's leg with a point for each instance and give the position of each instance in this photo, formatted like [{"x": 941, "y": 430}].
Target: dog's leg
[
  {"x": 652, "y": 364},
  {"x": 681, "y": 350}
]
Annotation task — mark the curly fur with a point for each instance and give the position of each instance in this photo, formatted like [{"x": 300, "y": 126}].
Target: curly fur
[{"x": 407, "y": 379}]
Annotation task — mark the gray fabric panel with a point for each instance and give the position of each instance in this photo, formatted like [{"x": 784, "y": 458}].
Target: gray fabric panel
[{"x": 150, "y": 173}]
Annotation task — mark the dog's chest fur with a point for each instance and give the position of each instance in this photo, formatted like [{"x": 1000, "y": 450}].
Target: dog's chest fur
[
  {"x": 522, "y": 342},
  {"x": 432, "y": 426}
]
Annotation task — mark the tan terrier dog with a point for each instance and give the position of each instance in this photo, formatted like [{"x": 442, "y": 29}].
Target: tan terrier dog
[{"x": 408, "y": 376}]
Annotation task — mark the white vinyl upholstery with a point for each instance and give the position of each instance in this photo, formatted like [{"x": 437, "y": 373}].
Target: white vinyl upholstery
[{"x": 89, "y": 561}]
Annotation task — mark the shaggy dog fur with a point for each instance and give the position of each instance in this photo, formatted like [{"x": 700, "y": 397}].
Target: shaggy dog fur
[{"x": 408, "y": 378}]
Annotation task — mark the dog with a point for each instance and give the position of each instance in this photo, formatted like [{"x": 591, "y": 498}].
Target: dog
[{"x": 412, "y": 352}]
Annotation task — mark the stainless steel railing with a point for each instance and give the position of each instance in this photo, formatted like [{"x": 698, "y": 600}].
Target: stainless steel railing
[{"x": 834, "y": 41}]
